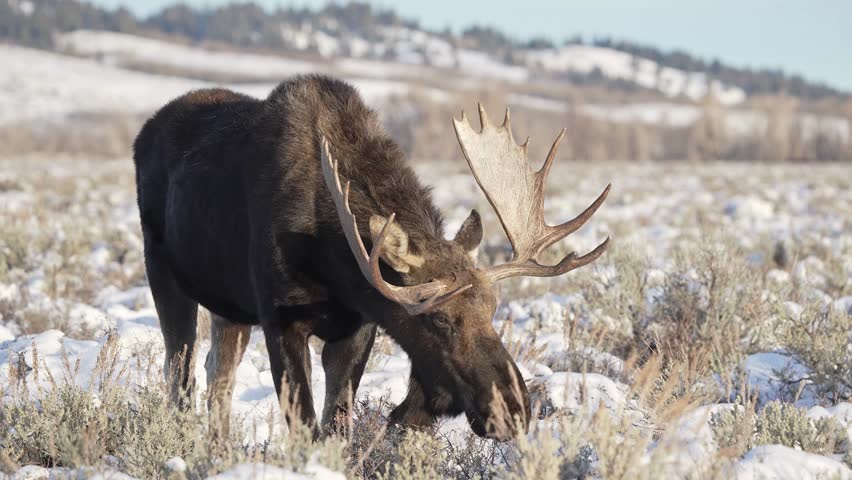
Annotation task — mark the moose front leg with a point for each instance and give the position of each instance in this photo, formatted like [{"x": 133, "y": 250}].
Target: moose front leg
[
  {"x": 290, "y": 362},
  {"x": 344, "y": 362}
]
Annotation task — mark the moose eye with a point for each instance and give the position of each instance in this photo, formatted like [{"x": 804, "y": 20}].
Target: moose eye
[{"x": 441, "y": 321}]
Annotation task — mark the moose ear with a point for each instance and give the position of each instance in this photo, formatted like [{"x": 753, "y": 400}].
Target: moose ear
[
  {"x": 395, "y": 250},
  {"x": 470, "y": 232}
]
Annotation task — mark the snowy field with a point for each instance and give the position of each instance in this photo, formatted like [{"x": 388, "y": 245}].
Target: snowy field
[
  {"x": 711, "y": 341},
  {"x": 748, "y": 257}
]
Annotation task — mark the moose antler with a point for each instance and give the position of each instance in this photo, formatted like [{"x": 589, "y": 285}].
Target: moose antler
[
  {"x": 516, "y": 193},
  {"x": 417, "y": 299}
]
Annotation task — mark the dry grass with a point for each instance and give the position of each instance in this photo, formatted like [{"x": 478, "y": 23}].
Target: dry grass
[
  {"x": 104, "y": 135},
  {"x": 673, "y": 329},
  {"x": 66, "y": 240},
  {"x": 134, "y": 430}
]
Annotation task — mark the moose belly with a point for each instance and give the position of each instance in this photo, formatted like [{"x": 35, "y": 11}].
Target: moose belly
[{"x": 207, "y": 237}]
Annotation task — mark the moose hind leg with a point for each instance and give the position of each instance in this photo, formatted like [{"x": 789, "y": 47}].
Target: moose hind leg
[
  {"x": 344, "y": 362},
  {"x": 177, "y": 313},
  {"x": 228, "y": 342}
]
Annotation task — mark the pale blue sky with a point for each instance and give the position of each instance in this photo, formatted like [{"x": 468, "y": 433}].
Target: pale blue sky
[{"x": 811, "y": 37}]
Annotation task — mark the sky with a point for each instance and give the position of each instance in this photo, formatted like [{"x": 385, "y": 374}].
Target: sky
[{"x": 809, "y": 37}]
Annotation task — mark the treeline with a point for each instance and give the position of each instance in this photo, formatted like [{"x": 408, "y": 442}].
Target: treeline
[
  {"x": 248, "y": 24},
  {"x": 33, "y": 22}
]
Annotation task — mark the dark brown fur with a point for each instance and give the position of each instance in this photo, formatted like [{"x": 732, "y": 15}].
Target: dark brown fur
[{"x": 236, "y": 217}]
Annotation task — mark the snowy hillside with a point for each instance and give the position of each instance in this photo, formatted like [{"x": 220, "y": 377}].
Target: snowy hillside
[
  {"x": 116, "y": 73},
  {"x": 623, "y": 66},
  {"x": 119, "y": 48},
  {"x": 38, "y": 84},
  {"x": 122, "y": 74},
  {"x": 408, "y": 47}
]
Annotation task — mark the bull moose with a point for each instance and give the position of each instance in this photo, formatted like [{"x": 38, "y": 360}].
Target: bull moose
[{"x": 258, "y": 210}]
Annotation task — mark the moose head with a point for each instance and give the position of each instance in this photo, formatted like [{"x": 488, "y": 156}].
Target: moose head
[{"x": 458, "y": 360}]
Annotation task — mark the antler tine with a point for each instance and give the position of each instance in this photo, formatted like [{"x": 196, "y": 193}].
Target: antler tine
[
  {"x": 483, "y": 116},
  {"x": 548, "y": 162},
  {"x": 531, "y": 268},
  {"x": 416, "y": 299},
  {"x": 507, "y": 123},
  {"x": 558, "y": 232}
]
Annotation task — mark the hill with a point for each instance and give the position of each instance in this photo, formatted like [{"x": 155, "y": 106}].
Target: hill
[
  {"x": 89, "y": 87},
  {"x": 357, "y": 30}
]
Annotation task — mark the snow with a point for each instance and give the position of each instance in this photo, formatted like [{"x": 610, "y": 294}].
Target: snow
[
  {"x": 620, "y": 65},
  {"x": 419, "y": 46},
  {"x": 842, "y": 412},
  {"x": 573, "y": 392},
  {"x": 261, "y": 471},
  {"x": 125, "y": 49},
  {"x": 32, "y": 472},
  {"x": 5, "y": 334},
  {"x": 778, "y": 462},
  {"x": 87, "y": 318},
  {"x": 255, "y": 471},
  {"x": 691, "y": 439},
  {"x": 844, "y": 304},
  {"x": 176, "y": 464},
  {"x": 30, "y": 91},
  {"x": 480, "y": 64},
  {"x": 360, "y": 67},
  {"x": 762, "y": 370}
]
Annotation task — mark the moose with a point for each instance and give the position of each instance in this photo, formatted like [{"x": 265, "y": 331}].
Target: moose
[{"x": 299, "y": 214}]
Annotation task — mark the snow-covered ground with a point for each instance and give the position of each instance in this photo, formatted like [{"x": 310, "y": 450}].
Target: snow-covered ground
[{"x": 652, "y": 207}]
